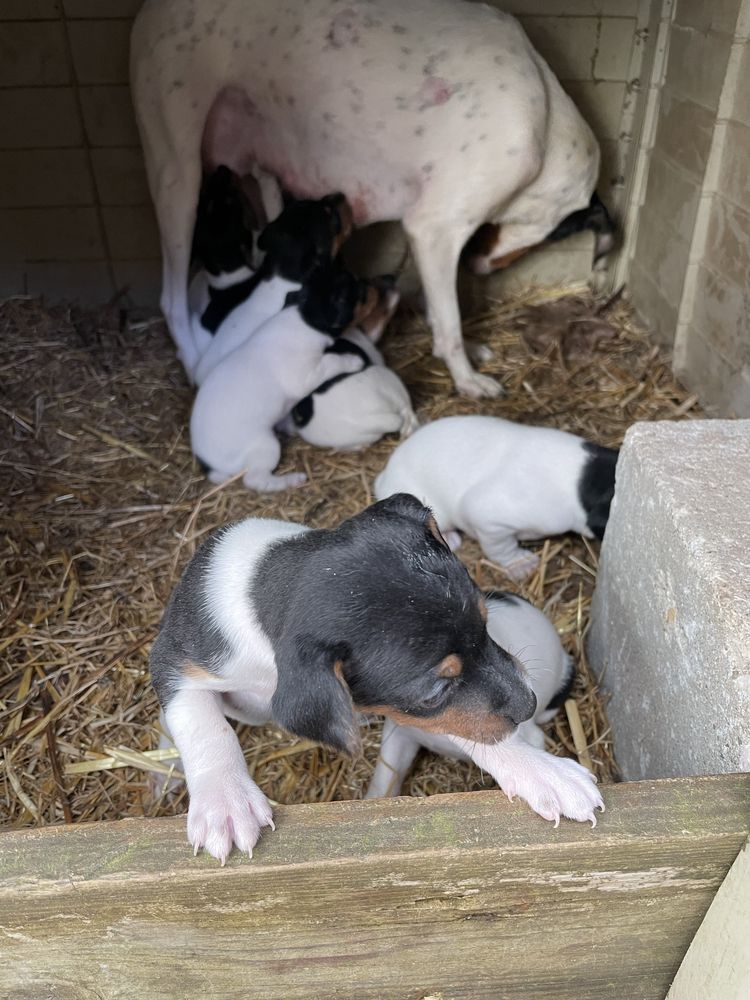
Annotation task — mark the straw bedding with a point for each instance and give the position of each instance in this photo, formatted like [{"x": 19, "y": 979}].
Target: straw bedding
[{"x": 102, "y": 506}]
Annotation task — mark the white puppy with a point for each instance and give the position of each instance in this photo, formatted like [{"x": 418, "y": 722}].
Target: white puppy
[
  {"x": 352, "y": 411},
  {"x": 501, "y": 482},
  {"x": 552, "y": 786},
  {"x": 245, "y": 397}
]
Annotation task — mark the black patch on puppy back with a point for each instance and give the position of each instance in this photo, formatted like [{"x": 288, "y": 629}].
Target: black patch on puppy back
[
  {"x": 597, "y": 485},
  {"x": 303, "y": 412},
  {"x": 224, "y": 300},
  {"x": 300, "y": 239},
  {"x": 562, "y": 695},
  {"x": 223, "y": 237}
]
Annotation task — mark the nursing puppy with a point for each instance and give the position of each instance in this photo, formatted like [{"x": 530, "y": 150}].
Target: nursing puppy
[
  {"x": 352, "y": 411},
  {"x": 251, "y": 391},
  {"x": 502, "y": 483},
  {"x": 306, "y": 236},
  {"x": 552, "y": 786},
  {"x": 274, "y": 621},
  {"x": 223, "y": 245}
]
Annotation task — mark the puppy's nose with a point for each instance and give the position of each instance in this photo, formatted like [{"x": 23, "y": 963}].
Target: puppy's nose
[{"x": 522, "y": 705}]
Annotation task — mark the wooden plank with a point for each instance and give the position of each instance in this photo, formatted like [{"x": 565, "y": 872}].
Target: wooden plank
[
  {"x": 717, "y": 965},
  {"x": 463, "y": 896}
]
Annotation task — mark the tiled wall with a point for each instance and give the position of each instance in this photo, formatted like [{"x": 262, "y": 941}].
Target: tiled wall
[
  {"x": 75, "y": 218},
  {"x": 690, "y": 267}
]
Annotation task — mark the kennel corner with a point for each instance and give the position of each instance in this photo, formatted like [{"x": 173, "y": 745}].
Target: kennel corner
[{"x": 459, "y": 896}]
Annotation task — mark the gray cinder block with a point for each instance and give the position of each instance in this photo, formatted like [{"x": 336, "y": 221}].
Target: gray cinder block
[{"x": 670, "y": 623}]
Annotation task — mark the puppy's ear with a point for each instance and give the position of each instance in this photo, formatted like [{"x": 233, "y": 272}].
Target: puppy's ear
[
  {"x": 407, "y": 505},
  {"x": 312, "y": 698}
]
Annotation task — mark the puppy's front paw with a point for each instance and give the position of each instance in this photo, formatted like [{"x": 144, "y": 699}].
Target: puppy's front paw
[
  {"x": 230, "y": 812},
  {"x": 555, "y": 787}
]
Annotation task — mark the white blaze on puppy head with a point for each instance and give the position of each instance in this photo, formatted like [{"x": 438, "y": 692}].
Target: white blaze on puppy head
[
  {"x": 552, "y": 786},
  {"x": 273, "y": 621},
  {"x": 501, "y": 483}
]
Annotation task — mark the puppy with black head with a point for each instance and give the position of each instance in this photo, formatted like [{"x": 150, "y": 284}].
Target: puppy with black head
[
  {"x": 275, "y": 621},
  {"x": 305, "y": 237},
  {"x": 244, "y": 397},
  {"x": 552, "y": 786}
]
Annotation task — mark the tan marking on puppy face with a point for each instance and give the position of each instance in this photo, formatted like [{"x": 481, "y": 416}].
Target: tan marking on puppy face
[
  {"x": 482, "y": 608},
  {"x": 193, "y": 672},
  {"x": 364, "y": 309},
  {"x": 386, "y": 301},
  {"x": 451, "y": 666},
  {"x": 432, "y": 527},
  {"x": 480, "y": 726},
  {"x": 346, "y": 224}
]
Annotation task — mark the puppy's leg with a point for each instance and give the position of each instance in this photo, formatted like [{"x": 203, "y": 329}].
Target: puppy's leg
[
  {"x": 262, "y": 458},
  {"x": 397, "y": 752},
  {"x": 226, "y": 806},
  {"x": 492, "y": 527},
  {"x": 552, "y": 786},
  {"x": 436, "y": 251}
]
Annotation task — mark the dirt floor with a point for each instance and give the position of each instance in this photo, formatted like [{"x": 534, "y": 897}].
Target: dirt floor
[{"x": 102, "y": 506}]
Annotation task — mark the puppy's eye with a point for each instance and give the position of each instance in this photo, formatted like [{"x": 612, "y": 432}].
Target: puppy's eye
[{"x": 438, "y": 695}]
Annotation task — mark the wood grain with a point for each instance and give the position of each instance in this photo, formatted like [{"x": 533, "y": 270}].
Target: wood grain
[{"x": 463, "y": 896}]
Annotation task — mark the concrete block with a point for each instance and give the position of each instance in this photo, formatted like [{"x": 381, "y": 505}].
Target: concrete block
[
  {"x": 33, "y": 54},
  {"x": 613, "y": 48},
  {"x": 735, "y": 156},
  {"x": 728, "y": 241},
  {"x": 100, "y": 50},
  {"x": 141, "y": 279},
  {"x": 39, "y": 117},
  {"x": 684, "y": 132},
  {"x": 673, "y": 194},
  {"x": 719, "y": 15},
  {"x": 131, "y": 231},
  {"x": 663, "y": 254},
  {"x": 120, "y": 176},
  {"x": 723, "y": 385},
  {"x": 108, "y": 116},
  {"x": 670, "y": 632},
  {"x": 86, "y": 282},
  {"x": 101, "y": 8},
  {"x": 600, "y": 103},
  {"x": 740, "y": 104},
  {"x": 39, "y": 177},
  {"x": 49, "y": 234},
  {"x": 697, "y": 65},
  {"x": 721, "y": 311},
  {"x": 29, "y": 10},
  {"x": 568, "y": 44},
  {"x": 659, "y": 316}
]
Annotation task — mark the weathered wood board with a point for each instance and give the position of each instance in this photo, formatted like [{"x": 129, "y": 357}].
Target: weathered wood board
[{"x": 462, "y": 897}]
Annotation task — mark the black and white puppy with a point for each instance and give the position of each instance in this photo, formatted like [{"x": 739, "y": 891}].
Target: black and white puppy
[
  {"x": 306, "y": 236},
  {"x": 244, "y": 398},
  {"x": 553, "y": 786},
  {"x": 352, "y": 411},
  {"x": 502, "y": 482},
  {"x": 275, "y": 621}
]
